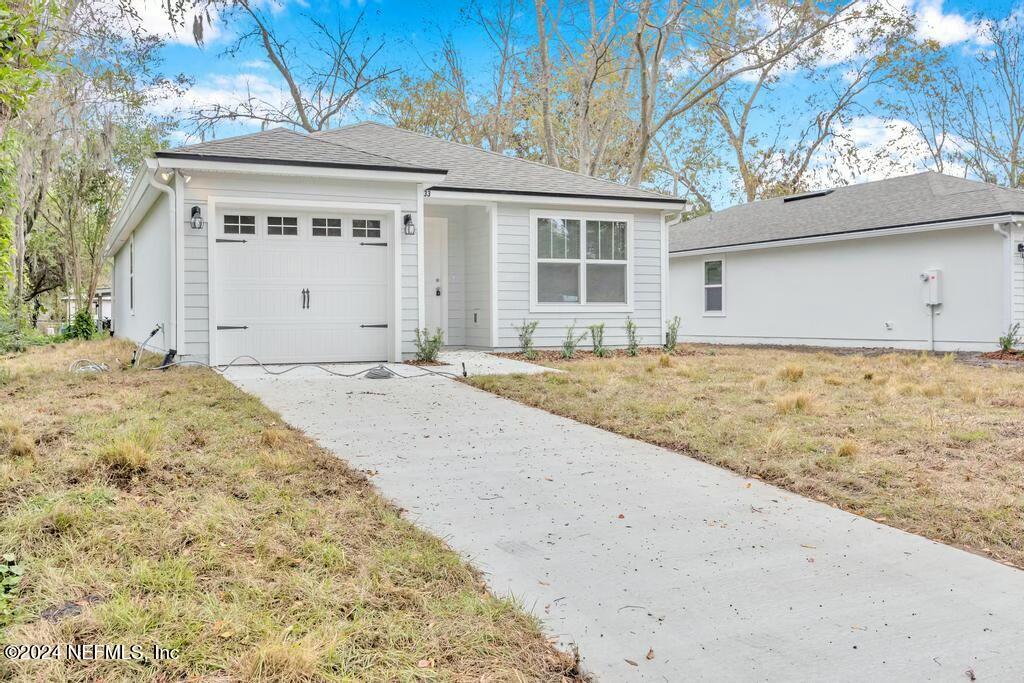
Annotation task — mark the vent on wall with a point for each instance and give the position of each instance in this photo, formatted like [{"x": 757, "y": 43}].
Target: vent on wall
[{"x": 806, "y": 195}]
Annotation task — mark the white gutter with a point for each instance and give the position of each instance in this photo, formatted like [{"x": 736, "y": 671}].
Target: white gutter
[{"x": 859, "y": 234}]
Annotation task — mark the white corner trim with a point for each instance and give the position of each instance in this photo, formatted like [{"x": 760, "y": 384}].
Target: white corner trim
[
  {"x": 493, "y": 211},
  {"x": 421, "y": 226},
  {"x": 178, "y": 309}
]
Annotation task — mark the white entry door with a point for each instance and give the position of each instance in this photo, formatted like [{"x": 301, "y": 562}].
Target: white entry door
[
  {"x": 435, "y": 269},
  {"x": 294, "y": 288}
]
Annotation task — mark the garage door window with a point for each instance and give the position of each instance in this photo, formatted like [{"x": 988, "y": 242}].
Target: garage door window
[
  {"x": 365, "y": 227},
  {"x": 283, "y": 226},
  {"x": 327, "y": 227},
  {"x": 239, "y": 225}
]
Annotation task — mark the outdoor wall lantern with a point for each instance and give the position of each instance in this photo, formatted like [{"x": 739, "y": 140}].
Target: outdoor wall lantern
[
  {"x": 196, "y": 221},
  {"x": 408, "y": 227}
]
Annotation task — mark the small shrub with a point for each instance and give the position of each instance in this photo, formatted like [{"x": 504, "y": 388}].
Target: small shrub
[
  {"x": 428, "y": 345},
  {"x": 525, "y": 333},
  {"x": 1009, "y": 341},
  {"x": 632, "y": 344},
  {"x": 665, "y": 360},
  {"x": 22, "y": 447},
  {"x": 10, "y": 577},
  {"x": 776, "y": 441},
  {"x": 672, "y": 334},
  {"x": 597, "y": 339},
  {"x": 794, "y": 403},
  {"x": 571, "y": 342},
  {"x": 82, "y": 326},
  {"x": 847, "y": 449},
  {"x": 274, "y": 437},
  {"x": 126, "y": 457},
  {"x": 791, "y": 372}
]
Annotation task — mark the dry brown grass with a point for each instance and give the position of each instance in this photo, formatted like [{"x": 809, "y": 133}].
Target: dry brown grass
[
  {"x": 170, "y": 508},
  {"x": 927, "y": 444}
]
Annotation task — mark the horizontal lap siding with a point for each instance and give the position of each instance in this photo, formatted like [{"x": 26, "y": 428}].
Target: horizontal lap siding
[
  {"x": 203, "y": 186},
  {"x": 514, "y": 283}
]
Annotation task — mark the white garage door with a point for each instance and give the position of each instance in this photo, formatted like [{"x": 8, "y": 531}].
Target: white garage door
[{"x": 295, "y": 288}]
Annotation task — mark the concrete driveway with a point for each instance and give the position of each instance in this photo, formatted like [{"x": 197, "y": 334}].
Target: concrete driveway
[{"x": 657, "y": 566}]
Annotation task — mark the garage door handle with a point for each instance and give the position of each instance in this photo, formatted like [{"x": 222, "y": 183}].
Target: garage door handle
[
  {"x": 373, "y": 244},
  {"x": 377, "y": 325},
  {"x": 232, "y": 327}
]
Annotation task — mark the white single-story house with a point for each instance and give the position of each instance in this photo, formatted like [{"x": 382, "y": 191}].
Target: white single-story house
[
  {"x": 337, "y": 246},
  {"x": 102, "y": 305},
  {"x": 925, "y": 261}
]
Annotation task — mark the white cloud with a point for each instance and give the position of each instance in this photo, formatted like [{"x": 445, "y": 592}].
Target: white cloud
[
  {"x": 945, "y": 29},
  {"x": 225, "y": 90},
  {"x": 885, "y": 148}
]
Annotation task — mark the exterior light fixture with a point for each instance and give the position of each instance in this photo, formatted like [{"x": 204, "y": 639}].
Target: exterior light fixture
[
  {"x": 196, "y": 221},
  {"x": 1020, "y": 249},
  {"x": 408, "y": 227}
]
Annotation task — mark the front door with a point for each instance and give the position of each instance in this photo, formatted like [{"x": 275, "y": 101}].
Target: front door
[{"x": 435, "y": 266}]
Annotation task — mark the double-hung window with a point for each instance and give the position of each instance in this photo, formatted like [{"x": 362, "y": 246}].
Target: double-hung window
[
  {"x": 581, "y": 260},
  {"x": 714, "y": 287}
]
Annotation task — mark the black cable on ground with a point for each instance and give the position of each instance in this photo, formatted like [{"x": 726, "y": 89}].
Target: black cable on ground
[{"x": 379, "y": 371}]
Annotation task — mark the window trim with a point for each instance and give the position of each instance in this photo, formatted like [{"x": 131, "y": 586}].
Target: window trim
[
  {"x": 265, "y": 220},
  {"x": 256, "y": 217},
  {"x": 342, "y": 227},
  {"x": 584, "y": 305},
  {"x": 352, "y": 227},
  {"x": 703, "y": 290}
]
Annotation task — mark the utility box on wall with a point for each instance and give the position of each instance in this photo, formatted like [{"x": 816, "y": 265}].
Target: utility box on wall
[{"x": 932, "y": 287}]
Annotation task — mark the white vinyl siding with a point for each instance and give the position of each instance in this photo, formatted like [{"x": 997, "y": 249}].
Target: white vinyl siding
[
  {"x": 149, "y": 246},
  {"x": 514, "y": 273},
  {"x": 864, "y": 292}
]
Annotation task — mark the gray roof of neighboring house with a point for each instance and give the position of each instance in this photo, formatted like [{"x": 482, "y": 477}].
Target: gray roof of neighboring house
[
  {"x": 283, "y": 146},
  {"x": 471, "y": 169},
  {"x": 927, "y": 197}
]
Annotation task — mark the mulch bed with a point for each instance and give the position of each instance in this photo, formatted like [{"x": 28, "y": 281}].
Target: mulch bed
[
  {"x": 555, "y": 356},
  {"x": 428, "y": 363},
  {"x": 1015, "y": 356}
]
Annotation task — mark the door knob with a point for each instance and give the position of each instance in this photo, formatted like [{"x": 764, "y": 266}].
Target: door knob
[{"x": 437, "y": 292}]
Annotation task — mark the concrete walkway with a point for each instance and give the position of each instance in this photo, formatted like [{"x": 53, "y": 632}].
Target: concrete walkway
[{"x": 657, "y": 566}]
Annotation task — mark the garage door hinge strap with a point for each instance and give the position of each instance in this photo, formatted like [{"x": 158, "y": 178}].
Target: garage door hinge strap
[
  {"x": 232, "y": 327},
  {"x": 379, "y": 325},
  {"x": 373, "y": 244},
  {"x": 226, "y": 240}
]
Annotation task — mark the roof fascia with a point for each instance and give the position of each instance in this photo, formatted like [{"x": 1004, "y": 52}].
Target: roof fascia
[
  {"x": 456, "y": 197},
  {"x": 192, "y": 163}
]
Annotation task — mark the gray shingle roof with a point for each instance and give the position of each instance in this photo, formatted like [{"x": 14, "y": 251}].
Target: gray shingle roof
[
  {"x": 477, "y": 170},
  {"x": 908, "y": 200},
  {"x": 376, "y": 146},
  {"x": 283, "y": 146}
]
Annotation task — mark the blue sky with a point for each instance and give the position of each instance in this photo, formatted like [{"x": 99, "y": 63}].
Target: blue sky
[{"x": 412, "y": 30}]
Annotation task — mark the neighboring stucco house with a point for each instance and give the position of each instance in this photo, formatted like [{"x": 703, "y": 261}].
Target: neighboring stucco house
[
  {"x": 336, "y": 246},
  {"x": 925, "y": 261}
]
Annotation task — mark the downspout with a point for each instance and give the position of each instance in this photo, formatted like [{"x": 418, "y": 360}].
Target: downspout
[{"x": 169, "y": 191}]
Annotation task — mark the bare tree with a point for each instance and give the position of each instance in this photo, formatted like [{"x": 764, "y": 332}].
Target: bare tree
[
  {"x": 708, "y": 46},
  {"x": 320, "y": 86},
  {"x": 779, "y": 158},
  {"x": 990, "y": 118}
]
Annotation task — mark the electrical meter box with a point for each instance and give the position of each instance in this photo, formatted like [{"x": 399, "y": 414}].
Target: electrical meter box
[{"x": 932, "y": 287}]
